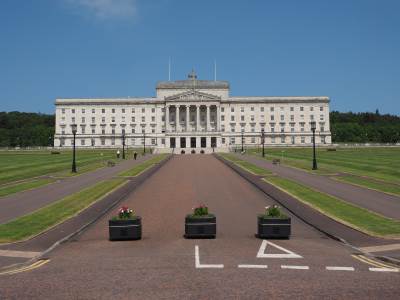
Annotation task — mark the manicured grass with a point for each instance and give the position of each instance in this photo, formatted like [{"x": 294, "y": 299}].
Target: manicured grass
[
  {"x": 381, "y": 163},
  {"x": 352, "y": 215},
  {"x": 246, "y": 165},
  {"x": 55, "y": 213},
  {"x": 136, "y": 170},
  {"x": 23, "y": 186},
  {"x": 371, "y": 184}
]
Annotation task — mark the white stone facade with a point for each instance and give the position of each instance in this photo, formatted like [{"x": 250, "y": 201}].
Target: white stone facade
[{"x": 192, "y": 114}]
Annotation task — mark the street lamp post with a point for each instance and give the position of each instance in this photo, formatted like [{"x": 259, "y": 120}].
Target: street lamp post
[
  {"x": 242, "y": 141},
  {"x": 123, "y": 144},
  {"x": 313, "y": 127},
  {"x": 144, "y": 142},
  {"x": 263, "y": 141},
  {"x": 74, "y": 128}
]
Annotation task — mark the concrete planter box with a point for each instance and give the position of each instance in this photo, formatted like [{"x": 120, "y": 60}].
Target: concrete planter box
[
  {"x": 200, "y": 227},
  {"x": 121, "y": 230},
  {"x": 278, "y": 228}
]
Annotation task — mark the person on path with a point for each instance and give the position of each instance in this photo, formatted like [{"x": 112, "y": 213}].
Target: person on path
[
  {"x": 118, "y": 153},
  {"x": 135, "y": 155}
]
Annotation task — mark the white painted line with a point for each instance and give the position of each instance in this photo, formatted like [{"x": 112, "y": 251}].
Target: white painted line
[
  {"x": 201, "y": 266},
  {"x": 383, "y": 270},
  {"x": 23, "y": 254},
  {"x": 253, "y": 266},
  {"x": 340, "y": 268},
  {"x": 288, "y": 254},
  {"x": 295, "y": 267},
  {"x": 381, "y": 248}
]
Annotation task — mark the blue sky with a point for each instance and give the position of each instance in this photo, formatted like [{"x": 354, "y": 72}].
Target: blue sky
[{"x": 345, "y": 49}]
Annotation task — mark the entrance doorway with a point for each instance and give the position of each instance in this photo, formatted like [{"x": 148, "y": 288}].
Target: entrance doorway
[
  {"x": 183, "y": 142},
  {"x": 213, "y": 142},
  {"x": 203, "y": 142},
  {"x": 192, "y": 142},
  {"x": 172, "y": 142}
]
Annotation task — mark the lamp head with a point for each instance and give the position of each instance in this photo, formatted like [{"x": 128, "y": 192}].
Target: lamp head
[
  {"x": 313, "y": 125},
  {"x": 74, "y": 128}
]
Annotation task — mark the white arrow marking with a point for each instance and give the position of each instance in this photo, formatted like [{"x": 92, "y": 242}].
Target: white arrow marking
[
  {"x": 200, "y": 266},
  {"x": 288, "y": 254}
]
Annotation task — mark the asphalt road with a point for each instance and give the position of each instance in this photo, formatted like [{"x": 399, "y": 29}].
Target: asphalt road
[{"x": 163, "y": 264}]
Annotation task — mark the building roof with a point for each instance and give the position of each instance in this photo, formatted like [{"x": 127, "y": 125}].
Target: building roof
[{"x": 193, "y": 82}]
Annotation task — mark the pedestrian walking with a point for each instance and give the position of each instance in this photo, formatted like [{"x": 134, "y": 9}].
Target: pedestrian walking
[
  {"x": 135, "y": 155},
  {"x": 118, "y": 153}
]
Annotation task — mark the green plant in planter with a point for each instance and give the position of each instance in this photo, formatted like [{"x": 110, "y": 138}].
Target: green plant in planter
[
  {"x": 125, "y": 213},
  {"x": 201, "y": 211},
  {"x": 273, "y": 212}
]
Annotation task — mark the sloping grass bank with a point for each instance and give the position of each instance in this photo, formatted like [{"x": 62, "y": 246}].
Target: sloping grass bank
[
  {"x": 246, "y": 165},
  {"x": 339, "y": 210},
  {"x": 136, "y": 170},
  {"x": 44, "y": 218}
]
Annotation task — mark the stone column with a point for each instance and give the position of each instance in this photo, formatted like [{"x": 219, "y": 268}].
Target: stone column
[
  {"x": 208, "y": 118},
  {"x": 198, "y": 118},
  {"x": 187, "y": 117},
  {"x": 176, "y": 118},
  {"x": 167, "y": 127},
  {"x": 218, "y": 121}
]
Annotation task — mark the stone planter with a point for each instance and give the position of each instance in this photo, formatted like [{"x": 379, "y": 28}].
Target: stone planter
[
  {"x": 121, "y": 230},
  {"x": 278, "y": 228},
  {"x": 200, "y": 227}
]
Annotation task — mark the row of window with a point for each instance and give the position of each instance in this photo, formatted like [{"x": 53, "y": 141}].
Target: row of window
[
  {"x": 153, "y": 110},
  {"x": 272, "y": 118}
]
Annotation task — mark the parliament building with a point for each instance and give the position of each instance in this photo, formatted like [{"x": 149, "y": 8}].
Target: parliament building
[{"x": 191, "y": 115}]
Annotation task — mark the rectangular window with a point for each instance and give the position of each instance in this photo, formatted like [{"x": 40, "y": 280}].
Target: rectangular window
[
  {"x": 232, "y": 118},
  {"x": 153, "y": 110},
  {"x": 83, "y": 110},
  {"x": 321, "y": 117},
  {"x": 93, "y": 120},
  {"x": 103, "y": 111},
  {"x": 133, "y": 130},
  {"x": 262, "y": 108},
  {"x": 123, "y": 119},
  {"x": 321, "y": 108},
  {"x": 291, "y": 108},
  {"x": 271, "y": 108},
  {"x": 301, "y": 108},
  {"x": 103, "y": 141},
  {"x": 133, "y": 110},
  {"x": 133, "y": 119},
  {"x": 143, "y": 119},
  {"x": 73, "y": 110},
  {"x": 113, "y": 119},
  {"x": 241, "y": 118},
  {"x": 153, "y": 119},
  {"x": 311, "y": 117},
  {"x": 273, "y": 140},
  {"x": 272, "y": 118},
  {"x": 63, "y": 110},
  {"x": 83, "y": 119},
  {"x": 223, "y": 128},
  {"x": 93, "y": 131},
  {"x": 113, "y": 131},
  {"x": 232, "y": 141},
  {"x": 303, "y": 139},
  {"x": 103, "y": 131},
  {"x": 83, "y": 142},
  {"x": 73, "y": 119},
  {"x": 232, "y": 129},
  {"x": 222, "y": 118},
  {"x": 143, "y": 110},
  {"x": 232, "y": 109},
  {"x": 93, "y": 110},
  {"x": 103, "y": 119},
  {"x": 272, "y": 129},
  {"x": 282, "y": 139},
  {"x": 253, "y": 140},
  {"x": 223, "y": 140},
  {"x": 282, "y": 108},
  {"x": 113, "y": 110},
  {"x": 241, "y": 109},
  {"x": 113, "y": 141},
  {"x": 123, "y": 110},
  {"x": 153, "y": 141},
  {"x": 253, "y": 129},
  {"x": 252, "y": 118},
  {"x": 292, "y": 118},
  {"x": 282, "y": 117},
  {"x": 222, "y": 109}
]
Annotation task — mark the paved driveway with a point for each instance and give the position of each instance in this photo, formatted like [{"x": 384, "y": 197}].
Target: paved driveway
[{"x": 164, "y": 265}]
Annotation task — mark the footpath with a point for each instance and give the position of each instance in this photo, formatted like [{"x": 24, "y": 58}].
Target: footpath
[
  {"x": 19, "y": 204},
  {"x": 384, "y": 204},
  {"x": 385, "y": 249},
  {"x": 18, "y": 254}
]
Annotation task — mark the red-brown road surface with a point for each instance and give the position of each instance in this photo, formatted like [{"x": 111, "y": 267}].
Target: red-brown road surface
[{"x": 162, "y": 264}]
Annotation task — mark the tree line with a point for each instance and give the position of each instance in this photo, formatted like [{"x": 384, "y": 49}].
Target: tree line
[{"x": 20, "y": 129}]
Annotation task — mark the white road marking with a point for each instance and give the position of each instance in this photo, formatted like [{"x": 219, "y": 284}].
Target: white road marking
[
  {"x": 340, "y": 268},
  {"x": 23, "y": 254},
  {"x": 295, "y": 267},
  {"x": 253, "y": 266},
  {"x": 288, "y": 254},
  {"x": 202, "y": 266},
  {"x": 383, "y": 270}
]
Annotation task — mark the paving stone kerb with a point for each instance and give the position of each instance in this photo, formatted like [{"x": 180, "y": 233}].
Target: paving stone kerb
[
  {"x": 309, "y": 215},
  {"x": 22, "y": 203},
  {"x": 384, "y": 204},
  {"x": 50, "y": 239}
]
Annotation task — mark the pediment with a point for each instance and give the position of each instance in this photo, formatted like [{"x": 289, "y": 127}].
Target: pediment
[{"x": 193, "y": 96}]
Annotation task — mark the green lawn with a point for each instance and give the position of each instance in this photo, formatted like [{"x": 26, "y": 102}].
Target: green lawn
[
  {"x": 246, "y": 165},
  {"x": 381, "y": 163},
  {"x": 55, "y": 213},
  {"x": 371, "y": 184},
  {"x": 352, "y": 215},
  {"x": 136, "y": 170},
  {"x": 21, "y": 165},
  {"x": 23, "y": 186}
]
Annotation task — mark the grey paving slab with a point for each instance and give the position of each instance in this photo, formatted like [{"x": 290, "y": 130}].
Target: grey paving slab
[
  {"x": 384, "y": 204},
  {"x": 22, "y": 203}
]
